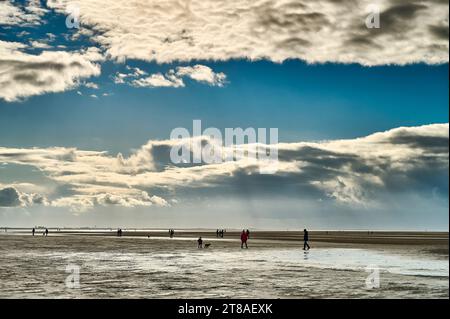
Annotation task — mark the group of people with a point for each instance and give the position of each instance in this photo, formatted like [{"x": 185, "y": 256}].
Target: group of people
[
  {"x": 245, "y": 235},
  {"x": 45, "y": 233},
  {"x": 220, "y": 233}
]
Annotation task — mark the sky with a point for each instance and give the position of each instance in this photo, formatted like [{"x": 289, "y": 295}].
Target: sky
[{"x": 90, "y": 92}]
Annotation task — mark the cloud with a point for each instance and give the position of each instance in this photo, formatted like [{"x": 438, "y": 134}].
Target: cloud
[
  {"x": 39, "y": 45},
  {"x": 362, "y": 171},
  {"x": 202, "y": 73},
  {"x": 29, "y": 14},
  {"x": 173, "y": 77},
  {"x": 23, "y": 75},
  {"x": 82, "y": 203},
  {"x": 91, "y": 85},
  {"x": 314, "y": 31},
  {"x": 11, "y": 197},
  {"x": 158, "y": 80}
]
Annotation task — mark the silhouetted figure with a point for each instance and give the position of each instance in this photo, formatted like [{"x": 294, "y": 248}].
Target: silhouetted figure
[
  {"x": 305, "y": 239},
  {"x": 46, "y": 232},
  {"x": 217, "y": 233},
  {"x": 244, "y": 239},
  {"x": 33, "y": 231},
  {"x": 119, "y": 232},
  {"x": 248, "y": 233},
  {"x": 171, "y": 233},
  {"x": 200, "y": 242}
]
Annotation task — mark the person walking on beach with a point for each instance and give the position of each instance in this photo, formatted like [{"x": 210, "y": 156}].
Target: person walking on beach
[
  {"x": 200, "y": 242},
  {"x": 305, "y": 239},
  {"x": 33, "y": 231},
  {"x": 248, "y": 233},
  {"x": 244, "y": 239}
]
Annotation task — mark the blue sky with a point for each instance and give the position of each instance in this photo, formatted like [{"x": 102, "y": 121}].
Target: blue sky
[
  {"x": 86, "y": 113},
  {"x": 306, "y": 102}
]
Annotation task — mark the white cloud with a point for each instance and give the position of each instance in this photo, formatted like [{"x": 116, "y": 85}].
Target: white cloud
[
  {"x": 158, "y": 80},
  {"x": 202, "y": 73},
  {"x": 91, "y": 85},
  {"x": 23, "y": 75},
  {"x": 39, "y": 45},
  {"x": 28, "y": 15},
  {"x": 313, "y": 31},
  {"x": 172, "y": 78},
  {"x": 352, "y": 172}
]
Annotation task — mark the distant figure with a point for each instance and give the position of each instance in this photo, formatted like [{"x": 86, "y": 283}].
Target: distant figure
[
  {"x": 248, "y": 233},
  {"x": 305, "y": 239},
  {"x": 119, "y": 232},
  {"x": 33, "y": 231},
  {"x": 244, "y": 239},
  {"x": 200, "y": 242},
  {"x": 217, "y": 233},
  {"x": 46, "y": 232}
]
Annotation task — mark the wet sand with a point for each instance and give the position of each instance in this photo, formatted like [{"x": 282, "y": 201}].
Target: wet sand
[
  {"x": 431, "y": 242},
  {"x": 411, "y": 265}
]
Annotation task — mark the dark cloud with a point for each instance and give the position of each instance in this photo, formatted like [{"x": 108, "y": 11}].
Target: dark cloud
[
  {"x": 9, "y": 197},
  {"x": 439, "y": 145},
  {"x": 440, "y": 32}
]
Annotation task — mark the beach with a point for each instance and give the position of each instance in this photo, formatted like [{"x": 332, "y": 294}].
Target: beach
[{"x": 146, "y": 263}]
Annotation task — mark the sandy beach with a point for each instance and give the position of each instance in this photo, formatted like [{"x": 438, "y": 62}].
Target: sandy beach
[{"x": 149, "y": 264}]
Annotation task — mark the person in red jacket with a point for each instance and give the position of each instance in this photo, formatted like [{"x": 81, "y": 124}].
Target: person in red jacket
[{"x": 244, "y": 238}]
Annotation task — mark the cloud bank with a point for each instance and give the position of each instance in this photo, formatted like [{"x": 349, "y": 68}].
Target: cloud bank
[
  {"x": 314, "y": 31},
  {"x": 176, "y": 31},
  {"x": 361, "y": 172}
]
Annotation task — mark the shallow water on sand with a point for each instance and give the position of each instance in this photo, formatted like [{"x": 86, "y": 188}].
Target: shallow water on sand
[{"x": 35, "y": 267}]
